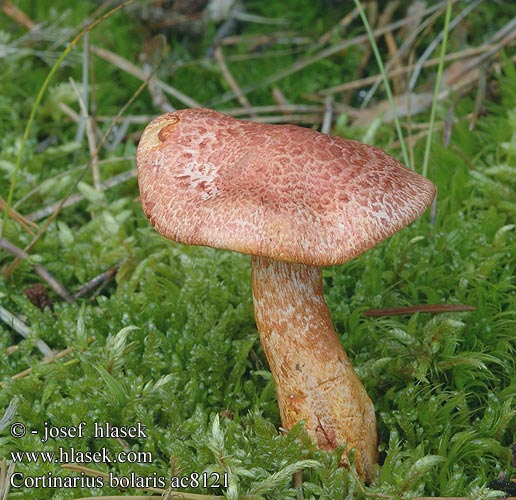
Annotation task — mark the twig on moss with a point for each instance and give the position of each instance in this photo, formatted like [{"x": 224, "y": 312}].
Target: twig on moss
[
  {"x": 37, "y": 103},
  {"x": 78, "y": 197},
  {"x": 259, "y": 40},
  {"x": 85, "y": 118},
  {"x": 390, "y": 42},
  {"x": 378, "y": 57},
  {"x": 6, "y": 473},
  {"x": 437, "y": 87},
  {"x": 21, "y": 328},
  {"x": 328, "y": 115},
  {"x": 139, "y": 73},
  {"x": 279, "y": 113},
  {"x": 6, "y": 419},
  {"x": 53, "y": 282},
  {"x": 462, "y": 75},
  {"x": 409, "y": 35},
  {"x": 14, "y": 12},
  {"x": 159, "y": 99},
  {"x": 437, "y": 40},
  {"x": 423, "y": 308},
  {"x": 339, "y": 27},
  {"x": 372, "y": 16},
  {"x": 47, "y": 223},
  {"x": 96, "y": 282},
  {"x": 479, "y": 99},
  {"x": 364, "y": 82},
  {"x": 298, "y": 484},
  {"x": 18, "y": 217},
  {"x": 285, "y": 108},
  {"x": 300, "y": 64},
  {"x": 233, "y": 85},
  {"x": 394, "y": 51},
  {"x": 55, "y": 357}
]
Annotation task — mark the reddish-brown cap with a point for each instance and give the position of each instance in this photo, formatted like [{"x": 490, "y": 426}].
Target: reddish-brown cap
[{"x": 280, "y": 191}]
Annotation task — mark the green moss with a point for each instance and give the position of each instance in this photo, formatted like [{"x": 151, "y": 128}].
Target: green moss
[{"x": 171, "y": 342}]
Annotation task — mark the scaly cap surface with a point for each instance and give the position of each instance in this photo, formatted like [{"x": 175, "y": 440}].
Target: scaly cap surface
[{"x": 279, "y": 191}]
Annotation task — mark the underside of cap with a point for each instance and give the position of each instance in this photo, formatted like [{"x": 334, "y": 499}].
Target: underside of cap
[{"x": 279, "y": 191}]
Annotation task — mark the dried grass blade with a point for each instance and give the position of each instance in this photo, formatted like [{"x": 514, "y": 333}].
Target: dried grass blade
[
  {"x": 21, "y": 328},
  {"x": 137, "y": 72},
  {"x": 424, "y": 308}
]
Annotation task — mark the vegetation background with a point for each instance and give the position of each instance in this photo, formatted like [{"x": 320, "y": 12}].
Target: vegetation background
[{"x": 102, "y": 320}]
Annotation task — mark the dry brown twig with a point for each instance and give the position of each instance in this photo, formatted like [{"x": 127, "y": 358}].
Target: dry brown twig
[
  {"x": 328, "y": 115},
  {"x": 423, "y": 308},
  {"x": 70, "y": 200},
  {"x": 139, "y": 73},
  {"x": 297, "y": 113},
  {"x": 364, "y": 82},
  {"x": 90, "y": 134},
  {"x": 104, "y": 138},
  {"x": 43, "y": 273},
  {"x": 151, "y": 50},
  {"x": 6, "y": 471},
  {"x": 11, "y": 268},
  {"x": 259, "y": 40},
  {"x": 97, "y": 282},
  {"x": 463, "y": 73},
  {"x": 233, "y": 85},
  {"x": 457, "y": 79},
  {"x": 54, "y": 358},
  {"x": 409, "y": 34},
  {"x": 339, "y": 27},
  {"x": 22, "y": 329},
  {"x": 302, "y": 63},
  {"x": 14, "y": 12},
  {"x": 372, "y": 16},
  {"x": 17, "y": 217},
  {"x": 390, "y": 42},
  {"x": 437, "y": 40}
]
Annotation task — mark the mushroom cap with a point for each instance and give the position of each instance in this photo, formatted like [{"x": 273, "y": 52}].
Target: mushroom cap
[{"x": 278, "y": 191}]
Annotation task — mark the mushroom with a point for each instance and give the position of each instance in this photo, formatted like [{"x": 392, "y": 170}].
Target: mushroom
[{"x": 296, "y": 200}]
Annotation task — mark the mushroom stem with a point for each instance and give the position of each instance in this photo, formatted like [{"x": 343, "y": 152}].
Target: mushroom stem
[{"x": 315, "y": 381}]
